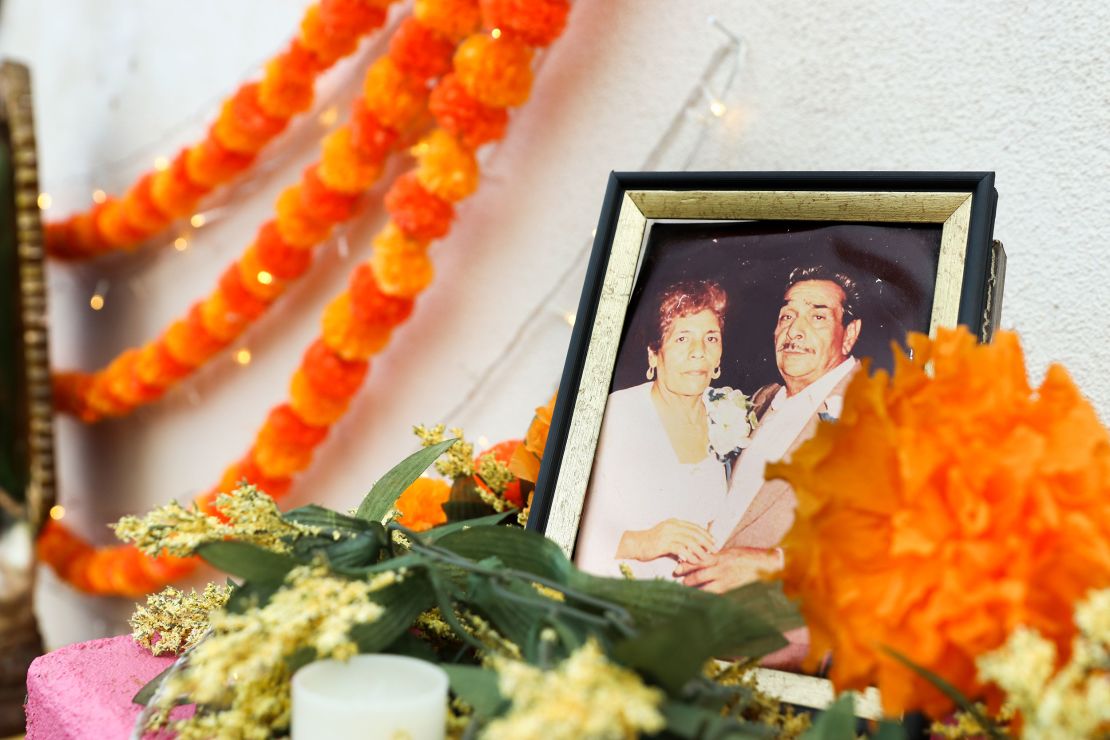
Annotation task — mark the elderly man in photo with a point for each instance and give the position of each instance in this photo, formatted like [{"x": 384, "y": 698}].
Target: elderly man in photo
[{"x": 817, "y": 327}]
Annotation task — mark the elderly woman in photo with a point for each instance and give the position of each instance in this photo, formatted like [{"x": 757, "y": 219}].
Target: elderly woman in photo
[{"x": 656, "y": 485}]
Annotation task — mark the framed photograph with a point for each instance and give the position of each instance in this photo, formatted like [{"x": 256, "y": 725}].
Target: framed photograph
[{"x": 723, "y": 315}]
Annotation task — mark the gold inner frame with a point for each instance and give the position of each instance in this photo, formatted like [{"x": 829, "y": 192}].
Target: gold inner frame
[{"x": 951, "y": 211}]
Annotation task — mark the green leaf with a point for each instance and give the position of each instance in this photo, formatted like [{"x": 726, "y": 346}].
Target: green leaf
[
  {"x": 251, "y": 594},
  {"x": 147, "y": 692},
  {"x": 359, "y": 551},
  {"x": 435, "y": 533},
  {"x": 520, "y": 549},
  {"x": 413, "y": 647},
  {"x": 317, "y": 516},
  {"x": 464, "y": 511},
  {"x": 477, "y": 687},
  {"x": 689, "y": 721},
  {"x": 674, "y": 651},
  {"x": 889, "y": 730},
  {"x": 247, "y": 561},
  {"x": 838, "y": 722},
  {"x": 951, "y": 692},
  {"x": 402, "y": 603},
  {"x": 389, "y": 488}
]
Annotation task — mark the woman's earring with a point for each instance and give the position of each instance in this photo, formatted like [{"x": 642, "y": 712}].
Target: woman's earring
[
  {"x": 651, "y": 372},
  {"x": 717, "y": 372}
]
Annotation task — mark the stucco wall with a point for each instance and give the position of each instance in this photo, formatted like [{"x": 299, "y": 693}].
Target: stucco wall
[{"x": 1016, "y": 88}]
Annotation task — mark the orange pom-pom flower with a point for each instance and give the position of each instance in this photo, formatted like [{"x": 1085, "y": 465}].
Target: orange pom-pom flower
[
  {"x": 537, "y": 22},
  {"x": 397, "y": 99},
  {"x": 458, "y": 113},
  {"x": 330, "y": 374},
  {"x": 350, "y": 338},
  {"x": 496, "y": 72},
  {"x": 948, "y": 505},
  {"x": 419, "y": 51},
  {"x": 417, "y": 212},
  {"x": 445, "y": 167},
  {"x": 453, "y": 19},
  {"x": 421, "y": 505},
  {"x": 371, "y": 305},
  {"x": 400, "y": 264},
  {"x": 343, "y": 167}
]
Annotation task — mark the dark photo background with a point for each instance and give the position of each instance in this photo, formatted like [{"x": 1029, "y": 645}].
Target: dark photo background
[{"x": 894, "y": 265}]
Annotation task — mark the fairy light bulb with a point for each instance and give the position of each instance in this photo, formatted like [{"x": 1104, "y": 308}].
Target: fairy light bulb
[
  {"x": 96, "y": 302},
  {"x": 57, "y": 511},
  {"x": 496, "y": 33},
  {"x": 44, "y": 200},
  {"x": 243, "y": 356},
  {"x": 161, "y": 163},
  {"x": 197, "y": 220},
  {"x": 264, "y": 277},
  {"x": 717, "y": 108},
  {"x": 99, "y": 196},
  {"x": 329, "y": 116},
  {"x": 180, "y": 244}
]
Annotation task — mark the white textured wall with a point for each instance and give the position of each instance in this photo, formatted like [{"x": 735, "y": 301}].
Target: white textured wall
[{"x": 1019, "y": 88}]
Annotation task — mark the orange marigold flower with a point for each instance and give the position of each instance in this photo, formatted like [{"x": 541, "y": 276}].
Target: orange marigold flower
[
  {"x": 502, "y": 452},
  {"x": 497, "y": 72},
  {"x": 298, "y": 227},
  {"x": 451, "y": 18},
  {"x": 277, "y": 257},
  {"x": 156, "y": 366},
  {"x": 315, "y": 408},
  {"x": 188, "y": 342},
  {"x": 344, "y": 168},
  {"x": 112, "y": 223},
  {"x": 538, "y": 22},
  {"x": 239, "y": 299},
  {"x": 209, "y": 164},
  {"x": 371, "y": 305},
  {"x": 950, "y": 504},
  {"x": 142, "y": 212},
  {"x": 257, "y": 280},
  {"x": 536, "y": 439},
  {"x": 125, "y": 384},
  {"x": 284, "y": 434},
  {"x": 348, "y": 337},
  {"x": 287, "y": 85},
  {"x": 219, "y": 319},
  {"x": 356, "y": 17},
  {"x": 397, "y": 99},
  {"x": 243, "y": 125},
  {"x": 330, "y": 374},
  {"x": 458, "y": 113},
  {"x": 247, "y": 470},
  {"x": 70, "y": 392},
  {"x": 445, "y": 167},
  {"x": 421, "y": 505},
  {"x": 420, "y": 51},
  {"x": 325, "y": 204},
  {"x": 400, "y": 264},
  {"x": 329, "y": 43},
  {"x": 418, "y": 213},
  {"x": 172, "y": 191},
  {"x": 369, "y": 136}
]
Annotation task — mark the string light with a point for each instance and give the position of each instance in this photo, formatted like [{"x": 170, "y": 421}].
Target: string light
[
  {"x": 44, "y": 200},
  {"x": 99, "y": 196},
  {"x": 496, "y": 33},
  {"x": 569, "y": 318},
  {"x": 243, "y": 356},
  {"x": 264, "y": 277},
  {"x": 161, "y": 163},
  {"x": 180, "y": 244},
  {"x": 717, "y": 108},
  {"x": 329, "y": 116},
  {"x": 483, "y": 442},
  {"x": 96, "y": 302},
  {"x": 197, "y": 220},
  {"x": 57, "y": 511}
]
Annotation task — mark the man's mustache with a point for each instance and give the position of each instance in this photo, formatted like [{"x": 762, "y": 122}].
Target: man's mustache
[{"x": 793, "y": 347}]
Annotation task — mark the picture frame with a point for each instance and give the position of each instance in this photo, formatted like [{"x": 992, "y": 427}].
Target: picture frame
[
  {"x": 920, "y": 244},
  {"x": 27, "y": 472}
]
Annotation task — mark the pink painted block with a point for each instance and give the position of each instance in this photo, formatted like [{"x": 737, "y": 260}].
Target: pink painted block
[{"x": 84, "y": 690}]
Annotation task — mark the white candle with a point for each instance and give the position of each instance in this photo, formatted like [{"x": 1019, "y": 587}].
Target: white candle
[{"x": 370, "y": 697}]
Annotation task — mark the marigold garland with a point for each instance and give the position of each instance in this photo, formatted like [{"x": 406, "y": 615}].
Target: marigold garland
[
  {"x": 950, "y": 504},
  {"x": 421, "y": 505},
  {"x": 252, "y": 117},
  {"x": 305, "y": 215},
  {"x": 272, "y": 461}
]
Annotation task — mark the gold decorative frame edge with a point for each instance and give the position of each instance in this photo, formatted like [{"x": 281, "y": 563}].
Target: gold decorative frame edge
[
  {"x": 950, "y": 210},
  {"x": 15, "y": 88}
]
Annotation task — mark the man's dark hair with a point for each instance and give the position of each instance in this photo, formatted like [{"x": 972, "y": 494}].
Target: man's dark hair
[{"x": 852, "y": 295}]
